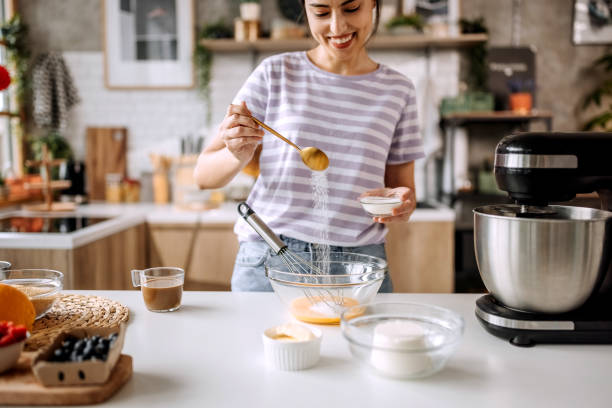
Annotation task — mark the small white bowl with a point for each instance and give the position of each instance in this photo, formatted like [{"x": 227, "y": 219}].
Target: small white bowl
[
  {"x": 378, "y": 206},
  {"x": 291, "y": 355},
  {"x": 10, "y": 354}
]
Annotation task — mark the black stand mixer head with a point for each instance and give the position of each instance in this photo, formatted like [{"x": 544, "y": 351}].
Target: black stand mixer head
[{"x": 538, "y": 168}]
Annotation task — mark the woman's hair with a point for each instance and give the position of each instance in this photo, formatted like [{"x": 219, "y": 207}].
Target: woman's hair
[{"x": 376, "y": 14}]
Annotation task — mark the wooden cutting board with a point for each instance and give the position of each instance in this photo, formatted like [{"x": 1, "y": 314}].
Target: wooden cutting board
[
  {"x": 19, "y": 386},
  {"x": 105, "y": 153}
]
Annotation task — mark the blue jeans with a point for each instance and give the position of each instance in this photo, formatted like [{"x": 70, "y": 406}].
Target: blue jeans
[{"x": 250, "y": 276}]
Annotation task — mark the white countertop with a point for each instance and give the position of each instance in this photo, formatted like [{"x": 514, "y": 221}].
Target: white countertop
[
  {"x": 124, "y": 216},
  {"x": 210, "y": 354}
]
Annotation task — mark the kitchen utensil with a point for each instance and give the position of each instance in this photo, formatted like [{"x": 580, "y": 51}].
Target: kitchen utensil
[
  {"x": 379, "y": 206},
  {"x": 162, "y": 288},
  {"x": 41, "y": 285},
  {"x": 311, "y": 156},
  {"x": 21, "y": 387},
  {"x": 105, "y": 153},
  {"x": 548, "y": 264},
  {"x": 296, "y": 264},
  {"x": 545, "y": 264},
  {"x": 402, "y": 340},
  {"x": 291, "y": 355},
  {"x": 10, "y": 354},
  {"x": 354, "y": 279}
]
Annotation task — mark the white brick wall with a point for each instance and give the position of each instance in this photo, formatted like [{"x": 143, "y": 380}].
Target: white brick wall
[{"x": 157, "y": 119}]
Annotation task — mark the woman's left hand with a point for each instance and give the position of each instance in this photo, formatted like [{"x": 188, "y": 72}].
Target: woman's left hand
[{"x": 402, "y": 212}]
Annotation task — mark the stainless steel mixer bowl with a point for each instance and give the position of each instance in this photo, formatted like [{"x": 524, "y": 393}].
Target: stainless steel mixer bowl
[{"x": 549, "y": 264}]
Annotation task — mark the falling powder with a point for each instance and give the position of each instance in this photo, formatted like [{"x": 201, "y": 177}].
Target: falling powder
[{"x": 321, "y": 250}]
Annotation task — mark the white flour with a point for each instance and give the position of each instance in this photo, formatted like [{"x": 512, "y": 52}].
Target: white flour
[{"x": 320, "y": 197}]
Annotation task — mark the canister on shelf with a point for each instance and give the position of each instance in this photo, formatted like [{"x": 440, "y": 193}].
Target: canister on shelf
[
  {"x": 113, "y": 190},
  {"x": 131, "y": 190}
]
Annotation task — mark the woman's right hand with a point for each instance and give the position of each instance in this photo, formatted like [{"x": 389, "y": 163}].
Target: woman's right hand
[{"x": 240, "y": 133}]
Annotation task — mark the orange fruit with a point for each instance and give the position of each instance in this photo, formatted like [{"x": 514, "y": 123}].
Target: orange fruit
[{"x": 15, "y": 306}]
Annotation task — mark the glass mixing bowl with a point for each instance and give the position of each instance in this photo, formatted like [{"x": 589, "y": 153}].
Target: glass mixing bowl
[
  {"x": 349, "y": 280},
  {"x": 41, "y": 285},
  {"x": 402, "y": 340}
]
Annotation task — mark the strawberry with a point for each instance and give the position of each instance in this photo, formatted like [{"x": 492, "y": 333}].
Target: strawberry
[
  {"x": 18, "y": 332},
  {"x": 7, "y": 340},
  {"x": 11, "y": 333}
]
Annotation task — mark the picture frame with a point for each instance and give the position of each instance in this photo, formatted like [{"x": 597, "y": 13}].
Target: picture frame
[
  {"x": 148, "y": 44},
  {"x": 442, "y": 16},
  {"x": 592, "y": 22}
]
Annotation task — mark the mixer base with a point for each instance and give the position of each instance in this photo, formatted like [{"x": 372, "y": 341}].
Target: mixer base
[{"x": 591, "y": 324}]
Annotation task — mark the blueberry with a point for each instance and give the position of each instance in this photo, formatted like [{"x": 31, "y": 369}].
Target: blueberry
[
  {"x": 57, "y": 355},
  {"x": 79, "y": 345},
  {"x": 101, "y": 349}
]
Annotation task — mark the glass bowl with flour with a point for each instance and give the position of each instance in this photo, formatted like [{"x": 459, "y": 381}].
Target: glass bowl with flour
[
  {"x": 340, "y": 281},
  {"x": 402, "y": 340},
  {"x": 41, "y": 285}
]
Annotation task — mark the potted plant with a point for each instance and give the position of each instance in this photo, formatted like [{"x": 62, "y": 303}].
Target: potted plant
[
  {"x": 405, "y": 24},
  {"x": 520, "y": 98},
  {"x": 603, "y": 119},
  {"x": 250, "y": 10},
  {"x": 203, "y": 59}
]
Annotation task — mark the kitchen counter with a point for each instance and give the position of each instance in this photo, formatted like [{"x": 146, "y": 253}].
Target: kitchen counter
[
  {"x": 124, "y": 216},
  {"x": 210, "y": 354}
]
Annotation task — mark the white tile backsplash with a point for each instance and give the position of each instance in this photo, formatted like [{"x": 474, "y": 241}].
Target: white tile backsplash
[{"x": 157, "y": 119}]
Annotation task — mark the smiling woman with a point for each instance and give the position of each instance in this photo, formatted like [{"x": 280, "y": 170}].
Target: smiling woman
[
  {"x": 360, "y": 113},
  {"x": 342, "y": 28}
]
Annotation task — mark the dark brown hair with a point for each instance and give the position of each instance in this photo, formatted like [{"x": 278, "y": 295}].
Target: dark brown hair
[{"x": 376, "y": 14}]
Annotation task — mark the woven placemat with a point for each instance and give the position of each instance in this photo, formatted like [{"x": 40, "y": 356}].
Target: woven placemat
[{"x": 71, "y": 311}]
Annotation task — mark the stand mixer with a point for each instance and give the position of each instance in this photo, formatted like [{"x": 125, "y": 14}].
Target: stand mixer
[{"x": 545, "y": 265}]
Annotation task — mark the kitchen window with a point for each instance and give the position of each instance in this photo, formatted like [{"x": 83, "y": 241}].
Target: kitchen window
[{"x": 7, "y": 141}]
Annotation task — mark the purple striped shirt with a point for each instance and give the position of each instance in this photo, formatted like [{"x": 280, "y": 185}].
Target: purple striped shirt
[{"x": 362, "y": 123}]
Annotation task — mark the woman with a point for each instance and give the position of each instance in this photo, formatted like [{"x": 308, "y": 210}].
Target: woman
[{"x": 335, "y": 97}]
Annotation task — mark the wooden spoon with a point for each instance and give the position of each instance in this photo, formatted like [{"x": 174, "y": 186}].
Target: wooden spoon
[{"x": 311, "y": 156}]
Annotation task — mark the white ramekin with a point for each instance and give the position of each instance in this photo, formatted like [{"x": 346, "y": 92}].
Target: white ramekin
[{"x": 292, "y": 355}]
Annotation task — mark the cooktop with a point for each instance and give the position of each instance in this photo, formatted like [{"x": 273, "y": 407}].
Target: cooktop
[{"x": 47, "y": 224}]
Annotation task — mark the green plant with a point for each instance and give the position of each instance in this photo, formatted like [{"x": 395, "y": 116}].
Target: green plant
[
  {"x": 603, "y": 92},
  {"x": 477, "y": 55},
  {"x": 14, "y": 34},
  {"x": 406, "y": 20},
  {"x": 203, "y": 59},
  {"x": 58, "y": 146}
]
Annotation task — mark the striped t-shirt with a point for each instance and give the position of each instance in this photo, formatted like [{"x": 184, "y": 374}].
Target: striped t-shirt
[{"x": 362, "y": 122}]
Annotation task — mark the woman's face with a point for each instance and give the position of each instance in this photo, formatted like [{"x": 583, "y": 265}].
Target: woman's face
[{"x": 340, "y": 26}]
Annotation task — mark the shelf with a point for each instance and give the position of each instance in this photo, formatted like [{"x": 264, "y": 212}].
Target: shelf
[
  {"x": 496, "y": 116},
  {"x": 54, "y": 185},
  {"x": 5, "y": 202},
  {"x": 380, "y": 42}
]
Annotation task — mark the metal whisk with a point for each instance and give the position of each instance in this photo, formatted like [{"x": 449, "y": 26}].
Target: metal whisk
[{"x": 295, "y": 263}]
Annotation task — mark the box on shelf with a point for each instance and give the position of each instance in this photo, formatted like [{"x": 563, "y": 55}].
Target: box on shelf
[{"x": 467, "y": 102}]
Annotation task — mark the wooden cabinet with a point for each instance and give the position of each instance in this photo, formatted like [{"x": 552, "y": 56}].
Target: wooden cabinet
[
  {"x": 421, "y": 256},
  {"x": 206, "y": 252},
  {"x": 104, "y": 264}
]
